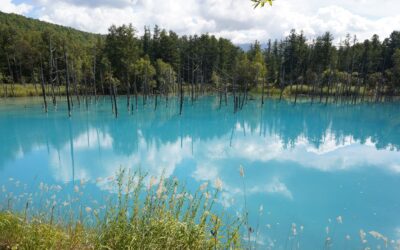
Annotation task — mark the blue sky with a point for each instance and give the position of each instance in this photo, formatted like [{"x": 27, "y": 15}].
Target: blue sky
[{"x": 233, "y": 19}]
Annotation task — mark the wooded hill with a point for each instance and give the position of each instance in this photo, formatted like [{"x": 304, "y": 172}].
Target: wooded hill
[{"x": 161, "y": 62}]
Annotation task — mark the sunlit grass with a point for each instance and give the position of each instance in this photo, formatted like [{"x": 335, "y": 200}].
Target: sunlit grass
[
  {"x": 28, "y": 90},
  {"x": 159, "y": 215}
]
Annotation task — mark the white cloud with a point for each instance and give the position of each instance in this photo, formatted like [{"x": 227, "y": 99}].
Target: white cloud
[
  {"x": 94, "y": 157},
  {"x": 234, "y": 19},
  {"x": 273, "y": 187},
  {"x": 9, "y": 7}
]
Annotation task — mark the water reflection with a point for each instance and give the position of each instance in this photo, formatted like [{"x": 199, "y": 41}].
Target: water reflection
[{"x": 303, "y": 163}]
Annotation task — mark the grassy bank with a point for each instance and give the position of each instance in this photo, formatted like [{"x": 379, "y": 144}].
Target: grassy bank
[
  {"x": 157, "y": 215},
  {"x": 27, "y": 90},
  {"x": 309, "y": 90}
]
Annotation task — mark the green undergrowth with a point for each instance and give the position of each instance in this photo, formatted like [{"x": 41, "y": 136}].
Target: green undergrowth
[{"x": 157, "y": 215}]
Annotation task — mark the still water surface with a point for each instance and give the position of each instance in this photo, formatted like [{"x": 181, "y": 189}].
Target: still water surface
[{"x": 304, "y": 164}]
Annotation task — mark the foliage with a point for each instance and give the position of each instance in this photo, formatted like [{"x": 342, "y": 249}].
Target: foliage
[
  {"x": 261, "y": 3},
  {"x": 157, "y": 215},
  {"x": 159, "y": 59}
]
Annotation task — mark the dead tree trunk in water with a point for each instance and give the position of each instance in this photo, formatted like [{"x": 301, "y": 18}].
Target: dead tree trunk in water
[
  {"x": 128, "y": 92},
  {"x": 136, "y": 92},
  {"x": 51, "y": 72},
  {"x": 115, "y": 100},
  {"x": 94, "y": 78},
  {"x": 181, "y": 99},
  {"x": 76, "y": 86},
  {"x": 192, "y": 82},
  {"x": 262, "y": 92},
  {"x": 68, "y": 83},
  {"x": 102, "y": 83},
  {"x": 329, "y": 87},
  {"x": 110, "y": 91},
  {"x": 43, "y": 85},
  {"x": 155, "y": 103}
]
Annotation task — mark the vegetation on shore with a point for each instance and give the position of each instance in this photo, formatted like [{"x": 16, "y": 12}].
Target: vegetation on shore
[
  {"x": 161, "y": 62},
  {"x": 159, "y": 214}
]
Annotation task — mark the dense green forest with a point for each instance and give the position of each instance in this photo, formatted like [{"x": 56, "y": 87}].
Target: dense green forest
[{"x": 60, "y": 59}]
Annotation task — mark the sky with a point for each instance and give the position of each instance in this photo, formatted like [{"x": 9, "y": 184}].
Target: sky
[{"x": 233, "y": 19}]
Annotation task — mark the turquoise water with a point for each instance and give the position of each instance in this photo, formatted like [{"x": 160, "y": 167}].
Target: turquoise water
[{"x": 304, "y": 164}]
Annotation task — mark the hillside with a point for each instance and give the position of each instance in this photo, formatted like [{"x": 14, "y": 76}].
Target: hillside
[{"x": 25, "y": 24}]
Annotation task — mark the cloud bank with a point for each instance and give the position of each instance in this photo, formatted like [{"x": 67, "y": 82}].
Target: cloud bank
[{"x": 233, "y": 19}]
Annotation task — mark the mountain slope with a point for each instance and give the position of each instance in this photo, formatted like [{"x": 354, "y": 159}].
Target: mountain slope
[{"x": 25, "y": 24}]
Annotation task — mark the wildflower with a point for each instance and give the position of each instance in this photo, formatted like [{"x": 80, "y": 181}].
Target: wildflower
[
  {"x": 207, "y": 195},
  {"x": 54, "y": 203},
  {"x": 218, "y": 184},
  {"x": 339, "y": 220},
  {"x": 362, "y": 236},
  {"x": 95, "y": 212},
  {"x": 153, "y": 181},
  {"x": 379, "y": 236},
  {"x": 88, "y": 209},
  {"x": 58, "y": 188},
  {"x": 328, "y": 241},
  {"x": 348, "y": 237},
  {"x": 203, "y": 186},
  {"x": 160, "y": 189},
  {"x": 76, "y": 189},
  {"x": 327, "y": 230},
  {"x": 241, "y": 171},
  {"x": 261, "y": 209},
  {"x": 179, "y": 196},
  {"x": 83, "y": 181},
  {"x": 190, "y": 197},
  {"x": 41, "y": 186},
  {"x": 268, "y": 226},
  {"x": 10, "y": 179},
  {"x": 301, "y": 228},
  {"x": 65, "y": 203}
]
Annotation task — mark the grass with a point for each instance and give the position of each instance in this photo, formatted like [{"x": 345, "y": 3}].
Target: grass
[
  {"x": 27, "y": 90},
  {"x": 16, "y": 233},
  {"x": 305, "y": 90},
  {"x": 160, "y": 215}
]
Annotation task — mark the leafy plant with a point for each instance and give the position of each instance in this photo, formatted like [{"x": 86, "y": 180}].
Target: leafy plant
[{"x": 261, "y": 3}]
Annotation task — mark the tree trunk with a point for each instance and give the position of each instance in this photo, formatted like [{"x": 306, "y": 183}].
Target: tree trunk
[
  {"x": 43, "y": 86},
  {"x": 67, "y": 81}
]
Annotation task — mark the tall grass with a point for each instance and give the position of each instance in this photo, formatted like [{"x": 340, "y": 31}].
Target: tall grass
[{"x": 159, "y": 215}]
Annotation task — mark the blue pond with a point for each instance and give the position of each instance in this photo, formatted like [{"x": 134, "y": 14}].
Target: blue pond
[{"x": 327, "y": 171}]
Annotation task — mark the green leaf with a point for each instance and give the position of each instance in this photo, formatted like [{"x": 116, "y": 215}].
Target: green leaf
[{"x": 261, "y": 3}]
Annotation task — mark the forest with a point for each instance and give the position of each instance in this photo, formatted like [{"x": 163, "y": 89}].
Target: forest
[{"x": 59, "y": 60}]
